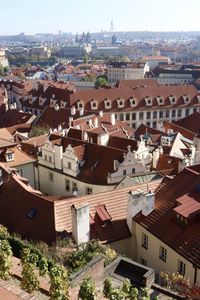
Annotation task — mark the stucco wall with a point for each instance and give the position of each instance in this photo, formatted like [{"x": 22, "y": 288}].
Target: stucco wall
[{"x": 151, "y": 255}]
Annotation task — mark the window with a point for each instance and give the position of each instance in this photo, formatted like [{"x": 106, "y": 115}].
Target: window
[
  {"x": 187, "y": 112},
  {"x": 154, "y": 124},
  {"x": 155, "y": 114},
  {"x": 69, "y": 165},
  {"x": 144, "y": 241},
  {"x": 124, "y": 172},
  {"x": 45, "y": 157},
  {"x": 127, "y": 117},
  {"x": 32, "y": 213},
  {"x": 160, "y": 100},
  {"x": 179, "y": 113},
  {"x": 121, "y": 116},
  {"x": 173, "y": 113},
  {"x": 74, "y": 186},
  {"x": 181, "y": 267},
  {"x": 93, "y": 105},
  {"x": 50, "y": 159},
  {"x": 21, "y": 172},
  {"x": 88, "y": 191},
  {"x": 133, "y": 116},
  {"x": 141, "y": 116},
  {"x": 161, "y": 114},
  {"x": 50, "y": 176},
  {"x": 167, "y": 114},
  {"x": 132, "y": 101},
  {"x": 107, "y": 103},
  {"x": 67, "y": 185},
  {"x": 148, "y": 115},
  {"x": 143, "y": 261},
  {"x": 163, "y": 253},
  {"x": 133, "y": 170},
  {"x": 9, "y": 156}
]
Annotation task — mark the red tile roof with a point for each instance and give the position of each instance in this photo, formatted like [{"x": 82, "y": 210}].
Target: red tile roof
[
  {"x": 53, "y": 214},
  {"x": 183, "y": 239},
  {"x": 190, "y": 123}
]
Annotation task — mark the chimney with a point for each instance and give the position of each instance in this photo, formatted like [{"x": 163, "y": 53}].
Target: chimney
[
  {"x": 148, "y": 203},
  {"x": 101, "y": 113},
  {"x": 71, "y": 121},
  {"x": 59, "y": 127},
  {"x": 134, "y": 206},
  {"x": 58, "y": 156},
  {"x": 73, "y": 110},
  {"x": 80, "y": 222},
  {"x": 156, "y": 155},
  {"x": 139, "y": 202},
  {"x": 1, "y": 177},
  {"x": 112, "y": 119},
  {"x": 96, "y": 122},
  {"x": 81, "y": 111}
]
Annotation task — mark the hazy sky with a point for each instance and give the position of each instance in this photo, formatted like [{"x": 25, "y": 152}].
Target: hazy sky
[{"x": 32, "y": 16}]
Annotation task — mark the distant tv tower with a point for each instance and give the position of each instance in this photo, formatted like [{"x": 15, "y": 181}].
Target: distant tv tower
[{"x": 111, "y": 25}]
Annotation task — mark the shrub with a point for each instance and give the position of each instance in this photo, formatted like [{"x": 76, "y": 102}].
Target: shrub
[
  {"x": 107, "y": 287},
  {"x": 87, "y": 289},
  {"x": 58, "y": 283},
  {"x": 30, "y": 281},
  {"x": 5, "y": 259}
]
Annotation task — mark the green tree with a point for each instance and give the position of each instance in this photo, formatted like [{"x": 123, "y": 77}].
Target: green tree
[
  {"x": 100, "y": 81},
  {"x": 38, "y": 130}
]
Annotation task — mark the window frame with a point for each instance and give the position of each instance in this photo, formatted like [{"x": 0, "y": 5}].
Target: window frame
[
  {"x": 145, "y": 240},
  {"x": 163, "y": 253}
]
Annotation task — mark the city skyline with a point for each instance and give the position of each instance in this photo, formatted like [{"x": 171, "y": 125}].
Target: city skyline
[{"x": 74, "y": 16}]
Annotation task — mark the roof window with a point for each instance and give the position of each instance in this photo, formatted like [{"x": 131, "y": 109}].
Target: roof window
[{"x": 32, "y": 213}]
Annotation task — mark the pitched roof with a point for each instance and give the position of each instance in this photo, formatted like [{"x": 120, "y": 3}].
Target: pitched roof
[
  {"x": 183, "y": 239},
  {"x": 190, "y": 123},
  {"x": 114, "y": 202},
  {"x": 136, "y": 83},
  {"x": 15, "y": 206},
  {"x": 52, "y": 215}
]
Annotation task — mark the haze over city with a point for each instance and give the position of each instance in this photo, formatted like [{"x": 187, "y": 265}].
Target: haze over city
[{"x": 49, "y": 16}]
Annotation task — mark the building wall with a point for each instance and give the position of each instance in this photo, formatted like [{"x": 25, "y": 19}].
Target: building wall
[
  {"x": 116, "y": 74},
  {"x": 136, "y": 118},
  {"x": 124, "y": 247},
  {"x": 151, "y": 255},
  {"x": 57, "y": 186},
  {"x": 27, "y": 171}
]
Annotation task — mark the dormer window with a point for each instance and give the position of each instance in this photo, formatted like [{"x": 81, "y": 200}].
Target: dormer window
[
  {"x": 93, "y": 104},
  {"x": 9, "y": 155},
  {"x": 186, "y": 99},
  {"x": 63, "y": 104},
  {"x": 160, "y": 100},
  {"x": 107, "y": 103},
  {"x": 148, "y": 101},
  {"x": 172, "y": 100},
  {"x": 41, "y": 101},
  {"x": 80, "y": 104},
  {"x": 53, "y": 102},
  {"x": 132, "y": 101},
  {"x": 120, "y": 103}
]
